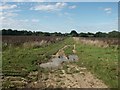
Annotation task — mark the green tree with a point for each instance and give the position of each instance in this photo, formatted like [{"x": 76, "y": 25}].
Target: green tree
[
  {"x": 113, "y": 34},
  {"x": 100, "y": 34},
  {"x": 90, "y": 34},
  {"x": 73, "y": 33},
  {"x": 83, "y": 35}
]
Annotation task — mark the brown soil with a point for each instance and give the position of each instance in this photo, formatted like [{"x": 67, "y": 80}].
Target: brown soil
[{"x": 73, "y": 76}]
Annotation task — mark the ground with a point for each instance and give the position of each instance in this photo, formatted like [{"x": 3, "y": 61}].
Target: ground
[
  {"x": 96, "y": 67},
  {"x": 70, "y": 75}
]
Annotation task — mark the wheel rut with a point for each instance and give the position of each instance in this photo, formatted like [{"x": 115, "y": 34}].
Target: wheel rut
[{"x": 70, "y": 75}]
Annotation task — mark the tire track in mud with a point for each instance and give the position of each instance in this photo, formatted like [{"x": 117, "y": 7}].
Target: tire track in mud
[{"x": 70, "y": 75}]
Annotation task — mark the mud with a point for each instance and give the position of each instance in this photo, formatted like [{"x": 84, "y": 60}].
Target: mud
[{"x": 69, "y": 75}]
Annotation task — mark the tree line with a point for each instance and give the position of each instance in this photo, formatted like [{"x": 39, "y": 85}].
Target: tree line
[
  {"x": 112, "y": 34},
  {"x": 73, "y": 33}
]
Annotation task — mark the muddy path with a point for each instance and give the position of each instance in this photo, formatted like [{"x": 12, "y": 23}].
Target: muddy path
[
  {"x": 72, "y": 76},
  {"x": 69, "y": 75}
]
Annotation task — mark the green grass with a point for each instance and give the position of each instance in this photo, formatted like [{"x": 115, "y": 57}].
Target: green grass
[
  {"x": 103, "y": 62},
  {"x": 23, "y": 60},
  {"x": 68, "y": 50},
  {"x": 20, "y": 61},
  {"x": 100, "y": 61}
]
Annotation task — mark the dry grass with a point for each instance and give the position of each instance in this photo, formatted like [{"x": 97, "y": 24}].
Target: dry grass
[{"x": 100, "y": 42}]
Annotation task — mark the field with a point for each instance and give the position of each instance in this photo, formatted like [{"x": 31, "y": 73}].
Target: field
[
  {"x": 28, "y": 41},
  {"x": 59, "y": 45},
  {"x": 102, "y": 61},
  {"x": 22, "y": 56}
]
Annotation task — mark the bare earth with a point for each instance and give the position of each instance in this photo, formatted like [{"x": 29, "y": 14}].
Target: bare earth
[{"x": 73, "y": 76}]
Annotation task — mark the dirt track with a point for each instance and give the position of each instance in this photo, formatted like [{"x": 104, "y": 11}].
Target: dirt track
[{"x": 72, "y": 76}]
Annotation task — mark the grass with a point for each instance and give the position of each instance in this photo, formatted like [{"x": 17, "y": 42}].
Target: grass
[
  {"x": 68, "y": 50},
  {"x": 20, "y": 60},
  {"x": 103, "y": 62}
]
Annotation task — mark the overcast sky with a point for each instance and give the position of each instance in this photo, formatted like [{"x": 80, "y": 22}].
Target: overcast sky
[{"x": 60, "y": 16}]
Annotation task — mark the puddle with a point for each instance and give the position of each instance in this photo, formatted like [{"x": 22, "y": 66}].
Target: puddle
[{"x": 56, "y": 62}]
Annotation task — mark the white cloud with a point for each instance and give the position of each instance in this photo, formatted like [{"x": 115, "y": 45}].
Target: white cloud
[
  {"x": 53, "y": 7},
  {"x": 2, "y": 18},
  {"x": 7, "y": 7},
  {"x": 50, "y": 7},
  {"x": 108, "y": 10},
  {"x": 60, "y": 5},
  {"x": 72, "y": 7},
  {"x": 8, "y": 14}
]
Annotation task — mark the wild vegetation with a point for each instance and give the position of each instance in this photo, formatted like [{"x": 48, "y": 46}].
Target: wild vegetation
[
  {"x": 28, "y": 41},
  {"x": 21, "y": 61},
  {"x": 102, "y": 42},
  {"x": 22, "y": 55},
  {"x": 100, "y": 60}
]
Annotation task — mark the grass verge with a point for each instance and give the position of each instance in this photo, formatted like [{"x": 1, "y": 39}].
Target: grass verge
[{"x": 103, "y": 62}]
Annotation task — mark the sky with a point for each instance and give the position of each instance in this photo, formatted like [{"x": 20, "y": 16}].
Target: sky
[{"x": 59, "y": 16}]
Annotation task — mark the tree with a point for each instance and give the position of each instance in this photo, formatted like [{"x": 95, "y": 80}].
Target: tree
[
  {"x": 90, "y": 34},
  {"x": 83, "y": 35},
  {"x": 113, "y": 34},
  {"x": 100, "y": 34},
  {"x": 73, "y": 33},
  {"x": 47, "y": 34}
]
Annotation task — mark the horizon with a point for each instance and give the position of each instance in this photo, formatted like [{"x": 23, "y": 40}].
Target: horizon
[
  {"x": 62, "y": 32},
  {"x": 60, "y": 16}
]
